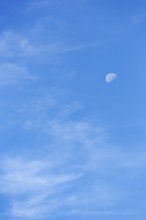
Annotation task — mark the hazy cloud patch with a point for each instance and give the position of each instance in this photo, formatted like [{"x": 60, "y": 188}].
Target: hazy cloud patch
[
  {"x": 33, "y": 186},
  {"x": 11, "y": 73}
]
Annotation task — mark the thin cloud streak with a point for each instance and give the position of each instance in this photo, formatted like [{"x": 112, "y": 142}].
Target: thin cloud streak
[
  {"x": 15, "y": 44},
  {"x": 82, "y": 47}
]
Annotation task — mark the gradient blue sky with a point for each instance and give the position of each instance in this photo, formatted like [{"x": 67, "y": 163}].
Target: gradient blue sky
[{"x": 71, "y": 145}]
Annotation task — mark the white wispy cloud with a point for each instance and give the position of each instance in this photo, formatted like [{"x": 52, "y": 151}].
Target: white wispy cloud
[
  {"x": 46, "y": 186},
  {"x": 68, "y": 176},
  {"x": 11, "y": 73},
  {"x": 68, "y": 179},
  {"x": 15, "y": 44},
  {"x": 33, "y": 186},
  {"x": 18, "y": 45},
  {"x": 81, "y": 138}
]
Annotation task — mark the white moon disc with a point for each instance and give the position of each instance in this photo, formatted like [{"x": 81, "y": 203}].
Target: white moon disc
[{"x": 110, "y": 77}]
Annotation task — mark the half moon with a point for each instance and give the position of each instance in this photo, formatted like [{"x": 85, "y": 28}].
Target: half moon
[{"x": 110, "y": 77}]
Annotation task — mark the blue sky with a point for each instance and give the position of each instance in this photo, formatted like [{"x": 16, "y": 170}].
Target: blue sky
[{"x": 72, "y": 146}]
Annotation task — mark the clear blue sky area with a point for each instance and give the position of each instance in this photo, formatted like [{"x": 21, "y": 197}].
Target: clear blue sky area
[{"x": 72, "y": 146}]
